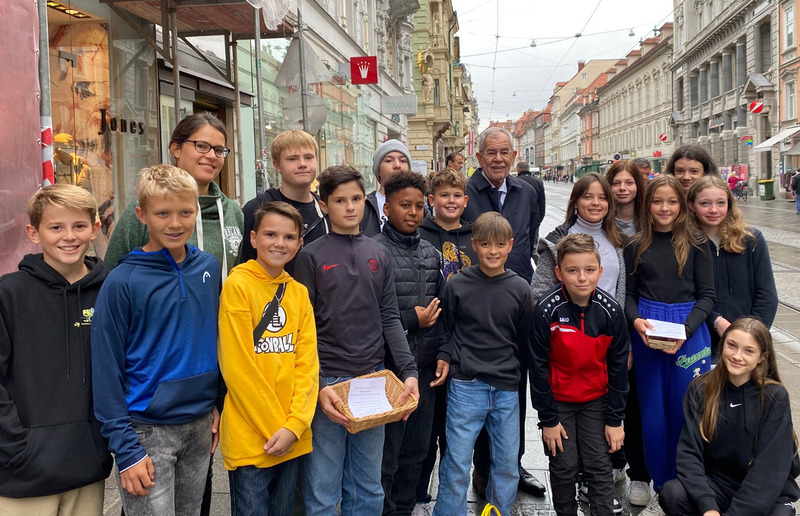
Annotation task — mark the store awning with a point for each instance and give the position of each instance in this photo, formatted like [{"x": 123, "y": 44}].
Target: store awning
[
  {"x": 766, "y": 145},
  {"x": 795, "y": 150}
]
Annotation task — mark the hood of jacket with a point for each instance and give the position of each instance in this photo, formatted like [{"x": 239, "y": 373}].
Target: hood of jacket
[{"x": 254, "y": 270}]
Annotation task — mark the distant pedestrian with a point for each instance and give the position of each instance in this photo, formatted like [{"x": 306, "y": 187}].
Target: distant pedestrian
[
  {"x": 645, "y": 168},
  {"x": 454, "y": 160},
  {"x": 796, "y": 191},
  {"x": 524, "y": 173}
]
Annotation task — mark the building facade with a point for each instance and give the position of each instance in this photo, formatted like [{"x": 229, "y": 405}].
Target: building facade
[
  {"x": 446, "y": 108},
  {"x": 108, "y": 89},
  {"x": 724, "y": 58},
  {"x": 635, "y": 104}
]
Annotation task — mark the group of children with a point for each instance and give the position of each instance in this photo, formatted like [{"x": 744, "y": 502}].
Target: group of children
[{"x": 429, "y": 298}]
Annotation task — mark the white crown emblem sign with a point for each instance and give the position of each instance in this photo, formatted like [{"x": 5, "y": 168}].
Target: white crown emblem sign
[{"x": 363, "y": 69}]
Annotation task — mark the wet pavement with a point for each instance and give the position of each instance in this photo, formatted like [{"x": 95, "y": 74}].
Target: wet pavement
[{"x": 781, "y": 227}]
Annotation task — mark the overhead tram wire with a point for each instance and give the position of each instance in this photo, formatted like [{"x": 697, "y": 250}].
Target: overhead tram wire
[
  {"x": 494, "y": 61},
  {"x": 570, "y": 47}
]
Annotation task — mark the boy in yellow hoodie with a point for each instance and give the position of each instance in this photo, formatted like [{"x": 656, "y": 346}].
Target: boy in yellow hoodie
[{"x": 268, "y": 358}]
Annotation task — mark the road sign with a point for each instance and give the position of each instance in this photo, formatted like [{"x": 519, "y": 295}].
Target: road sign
[
  {"x": 757, "y": 106},
  {"x": 662, "y": 137}
]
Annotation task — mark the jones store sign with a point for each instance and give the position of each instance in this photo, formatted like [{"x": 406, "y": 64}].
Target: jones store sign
[{"x": 399, "y": 105}]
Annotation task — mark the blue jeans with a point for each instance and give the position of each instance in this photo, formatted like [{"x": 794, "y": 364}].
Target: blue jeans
[
  {"x": 263, "y": 491},
  {"x": 797, "y": 202},
  {"x": 180, "y": 455},
  {"x": 471, "y": 405},
  {"x": 342, "y": 466}
]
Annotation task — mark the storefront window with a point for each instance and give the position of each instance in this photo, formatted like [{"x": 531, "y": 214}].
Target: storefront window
[{"x": 104, "y": 125}]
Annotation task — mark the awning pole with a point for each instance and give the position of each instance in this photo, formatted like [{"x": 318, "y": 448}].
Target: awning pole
[
  {"x": 262, "y": 138},
  {"x": 303, "y": 83},
  {"x": 233, "y": 47},
  {"x": 176, "y": 73}
]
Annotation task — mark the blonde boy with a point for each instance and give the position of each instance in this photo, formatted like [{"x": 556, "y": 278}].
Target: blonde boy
[
  {"x": 268, "y": 358},
  {"x": 52, "y": 456},
  {"x": 446, "y": 229},
  {"x": 294, "y": 156},
  {"x": 154, "y": 354}
]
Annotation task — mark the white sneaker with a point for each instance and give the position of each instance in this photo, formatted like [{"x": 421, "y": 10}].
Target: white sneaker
[
  {"x": 423, "y": 509},
  {"x": 619, "y": 475},
  {"x": 639, "y": 493},
  {"x": 653, "y": 508}
]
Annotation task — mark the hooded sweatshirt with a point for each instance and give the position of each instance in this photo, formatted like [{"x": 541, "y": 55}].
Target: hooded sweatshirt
[
  {"x": 154, "y": 345},
  {"x": 454, "y": 244},
  {"x": 50, "y": 441},
  {"x": 272, "y": 384},
  {"x": 483, "y": 319},
  {"x": 751, "y": 451},
  {"x": 210, "y": 236}
]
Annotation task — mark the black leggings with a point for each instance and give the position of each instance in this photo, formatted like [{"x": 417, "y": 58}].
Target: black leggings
[{"x": 675, "y": 501}]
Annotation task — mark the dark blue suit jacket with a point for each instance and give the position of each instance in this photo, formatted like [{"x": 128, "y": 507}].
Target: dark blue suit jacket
[{"x": 519, "y": 208}]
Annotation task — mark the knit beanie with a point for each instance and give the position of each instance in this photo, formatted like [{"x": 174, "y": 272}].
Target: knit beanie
[{"x": 384, "y": 149}]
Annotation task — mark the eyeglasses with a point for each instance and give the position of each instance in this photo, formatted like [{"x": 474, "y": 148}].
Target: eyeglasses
[{"x": 203, "y": 148}]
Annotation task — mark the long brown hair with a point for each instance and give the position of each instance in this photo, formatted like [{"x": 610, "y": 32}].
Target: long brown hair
[
  {"x": 683, "y": 233},
  {"x": 732, "y": 229},
  {"x": 765, "y": 373},
  {"x": 609, "y": 224}
]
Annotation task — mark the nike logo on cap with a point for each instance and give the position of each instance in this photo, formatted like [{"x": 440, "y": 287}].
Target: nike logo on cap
[
  {"x": 326, "y": 267},
  {"x": 734, "y": 406}
]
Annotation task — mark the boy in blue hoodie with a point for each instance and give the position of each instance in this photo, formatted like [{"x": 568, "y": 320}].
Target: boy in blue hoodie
[
  {"x": 154, "y": 354},
  {"x": 53, "y": 459}
]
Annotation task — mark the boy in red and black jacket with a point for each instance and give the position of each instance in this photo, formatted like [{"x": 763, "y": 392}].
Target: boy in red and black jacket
[{"x": 579, "y": 376}]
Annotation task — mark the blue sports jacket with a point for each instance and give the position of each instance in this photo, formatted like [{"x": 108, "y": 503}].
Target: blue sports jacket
[{"x": 154, "y": 345}]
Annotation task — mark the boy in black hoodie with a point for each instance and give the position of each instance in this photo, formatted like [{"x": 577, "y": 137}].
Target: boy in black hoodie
[
  {"x": 485, "y": 310},
  {"x": 53, "y": 459},
  {"x": 419, "y": 283}
]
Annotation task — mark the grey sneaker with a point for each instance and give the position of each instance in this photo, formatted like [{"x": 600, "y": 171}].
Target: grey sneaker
[
  {"x": 423, "y": 509},
  {"x": 653, "y": 508},
  {"x": 619, "y": 475},
  {"x": 639, "y": 493}
]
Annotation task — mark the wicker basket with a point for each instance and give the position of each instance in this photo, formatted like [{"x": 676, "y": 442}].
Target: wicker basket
[{"x": 394, "y": 389}]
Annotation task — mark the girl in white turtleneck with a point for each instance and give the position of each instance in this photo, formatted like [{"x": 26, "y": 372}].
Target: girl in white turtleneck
[{"x": 590, "y": 211}]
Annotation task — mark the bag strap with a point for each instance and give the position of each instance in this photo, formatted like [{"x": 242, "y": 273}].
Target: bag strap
[{"x": 269, "y": 312}]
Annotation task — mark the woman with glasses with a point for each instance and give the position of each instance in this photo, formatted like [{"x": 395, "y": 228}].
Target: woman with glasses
[{"x": 198, "y": 147}]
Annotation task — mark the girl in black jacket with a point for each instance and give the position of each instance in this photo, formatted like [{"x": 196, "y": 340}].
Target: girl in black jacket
[
  {"x": 743, "y": 278},
  {"x": 738, "y": 448}
]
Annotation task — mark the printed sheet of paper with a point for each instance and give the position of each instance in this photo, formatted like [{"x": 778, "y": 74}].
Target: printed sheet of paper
[
  {"x": 666, "y": 330},
  {"x": 368, "y": 396}
]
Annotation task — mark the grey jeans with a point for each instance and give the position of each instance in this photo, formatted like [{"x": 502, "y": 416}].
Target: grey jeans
[{"x": 180, "y": 455}]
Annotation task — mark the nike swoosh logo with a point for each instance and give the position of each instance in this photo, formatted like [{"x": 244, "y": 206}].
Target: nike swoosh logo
[
  {"x": 734, "y": 406},
  {"x": 326, "y": 267}
]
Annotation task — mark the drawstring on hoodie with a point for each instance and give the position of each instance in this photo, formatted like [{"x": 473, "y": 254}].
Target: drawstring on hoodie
[
  {"x": 198, "y": 224},
  {"x": 68, "y": 331}
]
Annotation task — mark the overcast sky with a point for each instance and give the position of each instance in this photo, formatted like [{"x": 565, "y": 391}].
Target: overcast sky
[{"x": 532, "y": 72}]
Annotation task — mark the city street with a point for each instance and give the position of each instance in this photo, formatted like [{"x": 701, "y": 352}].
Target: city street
[{"x": 781, "y": 227}]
